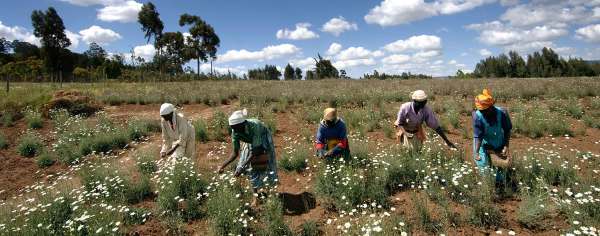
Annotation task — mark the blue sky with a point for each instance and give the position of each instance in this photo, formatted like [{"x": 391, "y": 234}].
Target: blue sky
[{"x": 393, "y": 36}]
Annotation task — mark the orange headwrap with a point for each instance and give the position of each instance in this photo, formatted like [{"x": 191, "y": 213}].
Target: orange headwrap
[{"x": 485, "y": 100}]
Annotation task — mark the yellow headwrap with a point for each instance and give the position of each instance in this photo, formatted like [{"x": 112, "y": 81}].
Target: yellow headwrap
[{"x": 485, "y": 100}]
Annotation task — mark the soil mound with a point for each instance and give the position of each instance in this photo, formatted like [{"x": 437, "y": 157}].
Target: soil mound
[{"x": 74, "y": 102}]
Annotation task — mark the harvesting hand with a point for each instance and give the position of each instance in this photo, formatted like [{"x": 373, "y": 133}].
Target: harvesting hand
[
  {"x": 478, "y": 158},
  {"x": 451, "y": 145},
  {"x": 163, "y": 154},
  {"x": 221, "y": 170}
]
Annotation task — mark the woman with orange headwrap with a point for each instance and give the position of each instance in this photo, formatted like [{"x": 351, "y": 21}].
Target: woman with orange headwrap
[{"x": 491, "y": 135}]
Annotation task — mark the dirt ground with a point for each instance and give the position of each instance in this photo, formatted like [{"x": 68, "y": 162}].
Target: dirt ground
[{"x": 17, "y": 172}]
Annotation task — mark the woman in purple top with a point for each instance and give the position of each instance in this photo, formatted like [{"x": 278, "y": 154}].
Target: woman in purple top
[{"x": 410, "y": 119}]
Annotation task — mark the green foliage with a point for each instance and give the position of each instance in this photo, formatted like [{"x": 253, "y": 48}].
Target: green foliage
[
  {"x": 3, "y": 141},
  {"x": 219, "y": 126},
  {"x": 30, "y": 145},
  {"x": 344, "y": 187},
  {"x": 223, "y": 206},
  {"x": 535, "y": 122},
  {"x": 325, "y": 69},
  {"x": 310, "y": 228},
  {"x": 294, "y": 159},
  {"x": 33, "y": 119},
  {"x": 103, "y": 183},
  {"x": 424, "y": 217},
  {"x": 45, "y": 160},
  {"x": 289, "y": 72},
  {"x": 8, "y": 119},
  {"x": 483, "y": 212},
  {"x": 181, "y": 190},
  {"x": 103, "y": 142},
  {"x": 58, "y": 212},
  {"x": 146, "y": 161},
  {"x": 136, "y": 216},
  {"x": 138, "y": 129},
  {"x": 534, "y": 208},
  {"x": 201, "y": 129},
  {"x": 591, "y": 121},
  {"x": 269, "y": 72},
  {"x": 272, "y": 215}
]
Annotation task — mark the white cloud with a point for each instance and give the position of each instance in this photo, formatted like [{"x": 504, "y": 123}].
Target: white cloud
[
  {"x": 464, "y": 54},
  {"x": 547, "y": 13},
  {"x": 334, "y": 48},
  {"x": 452, "y": 62},
  {"x": 396, "y": 12},
  {"x": 396, "y": 59},
  {"x": 122, "y": 12},
  {"x": 345, "y": 64},
  {"x": 485, "y": 53},
  {"x": 145, "y": 51},
  {"x": 74, "y": 38},
  {"x": 338, "y": 25},
  {"x": 305, "y": 64},
  {"x": 414, "y": 43},
  {"x": 93, "y": 2},
  {"x": 302, "y": 32},
  {"x": 99, "y": 35},
  {"x": 356, "y": 53},
  {"x": 590, "y": 33},
  {"x": 17, "y": 33},
  {"x": 268, "y": 53}
]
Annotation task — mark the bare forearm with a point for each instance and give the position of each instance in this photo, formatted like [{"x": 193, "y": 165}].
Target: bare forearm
[{"x": 232, "y": 157}]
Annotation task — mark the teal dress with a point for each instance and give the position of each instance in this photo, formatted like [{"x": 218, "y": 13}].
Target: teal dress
[{"x": 493, "y": 137}]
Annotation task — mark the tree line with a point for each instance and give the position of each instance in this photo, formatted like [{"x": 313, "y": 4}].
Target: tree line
[{"x": 543, "y": 64}]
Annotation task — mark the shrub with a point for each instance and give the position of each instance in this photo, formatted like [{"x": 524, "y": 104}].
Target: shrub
[
  {"x": 103, "y": 142},
  {"x": 201, "y": 130},
  {"x": 535, "y": 122},
  {"x": 58, "y": 211},
  {"x": 224, "y": 205},
  {"x": 103, "y": 183},
  {"x": 45, "y": 159},
  {"x": 137, "y": 129},
  {"x": 344, "y": 187},
  {"x": 3, "y": 141},
  {"x": 136, "y": 216},
  {"x": 220, "y": 126},
  {"x": 33, "y": 119},
  {"x": 30, "y": 145},
  {"x": 483, "y": 212},
  {"x": 310, "y": 228},
  {"x": 181, "y": 190},
  {"x": 138, "y": 191},
  {"x": 534, "y": 208},
  {"x": 294, "y": 159},
  {"x": 405, "y": 171},
  {"x": 426, "y": 221},
  {"x": 8, "y": 119},
  {"x": 67, "y": 153},
  {"x": 272, "y": 215},
  {"x": 146, "y": 162},
  {"x": 591, "y": 121}
]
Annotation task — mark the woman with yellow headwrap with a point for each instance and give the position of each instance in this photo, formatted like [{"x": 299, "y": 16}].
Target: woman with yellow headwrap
[
  {"x": 491, "y": 135},
  {"x": 332, "y": 138}
]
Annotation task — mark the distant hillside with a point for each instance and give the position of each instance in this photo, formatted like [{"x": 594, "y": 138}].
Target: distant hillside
[{"x": 593, "y": 62}]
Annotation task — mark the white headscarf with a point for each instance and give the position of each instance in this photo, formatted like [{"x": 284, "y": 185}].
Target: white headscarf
[
  {"x": 166, "y": 108},
  {"x": 238, "y": 117}
]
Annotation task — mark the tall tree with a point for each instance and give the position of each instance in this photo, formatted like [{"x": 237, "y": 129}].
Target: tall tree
[
  {"x": 50, "y": 28},
  {"x": 174, "y": 51},
  {"x": 5, "y": 46},
  {"x": 298, "y": 74},
  {"x": 288, "y": 72},
  {"x": 203, "y": 42},
  {"x": 152, "y": 26},
  {"x": 96, "y": 55},
  {"x": 518, "y": 68},
  {"x": 324, "y": 68}
]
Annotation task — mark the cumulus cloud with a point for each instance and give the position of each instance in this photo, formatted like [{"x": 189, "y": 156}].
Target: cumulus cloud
[
  {"x": 590, "y": 33},
  {"x": 17, "y": 33},
  {"x": 553, "y": 13},
  {"x": 74, "y": 38},
  {"x": 396, "y": 59},
  {"x": 305, "y": 64},
  {"x": 357, "y": 53},
  {"x": 345, "y": 64},
  {"x": 99, "y": 35},
  {"x": 122, "y": 12},
  {"x": 485, "y": 53},
  {"x": 302, "y": 32},
  {"x": 496, "y": 33},
  {"x": 267, "y": 53},
  {"x": 334, "y": 48},
  {"x": 145, "y": 51},
  {"x": 396, "y": 12},
  {"x": 338, "y": 25},
  {"x": 238, "y": 70},
  {"x": 415, "y": 43}
]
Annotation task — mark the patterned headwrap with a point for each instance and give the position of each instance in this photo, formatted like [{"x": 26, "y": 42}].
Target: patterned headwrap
[{"x": 485, "y": 100}]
